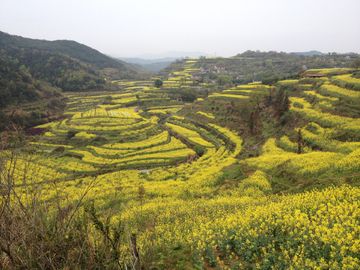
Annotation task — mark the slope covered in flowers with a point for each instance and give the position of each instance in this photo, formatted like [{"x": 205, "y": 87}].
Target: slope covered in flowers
[{"x": 219, "y": 202}]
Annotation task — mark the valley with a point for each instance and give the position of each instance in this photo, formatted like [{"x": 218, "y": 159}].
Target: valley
[{"x": 203, "y": 174}]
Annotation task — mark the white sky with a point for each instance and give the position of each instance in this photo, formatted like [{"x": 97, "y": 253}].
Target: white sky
[{"x": 227, "y": 27}]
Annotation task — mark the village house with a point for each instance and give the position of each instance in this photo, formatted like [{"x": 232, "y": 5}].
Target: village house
[
  {"x": 306, "y": 67},
  {"x": 353, "y": 55},
  {"x": 240, "y": 77},
  {"x": 195, "y": 76},
  {"x": 219, "y": 67},
  {"x": 204, "y": 70},
  {"x": 221, "y": 71},
  {"x": 257, "y": 80},
  {"x": 315, "y": 75}
]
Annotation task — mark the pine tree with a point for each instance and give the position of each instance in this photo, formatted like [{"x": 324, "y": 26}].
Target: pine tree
[
  {"x": 280, "y": 97},
  {"x": 299, "y": 141},
  {"x": 279, "y": 102},
  {"x": 286, "y": 104},
  {"x": 141, "y": 193},
  {"x": 251, "y": 123},
  {"x": 268, "y": 100}
]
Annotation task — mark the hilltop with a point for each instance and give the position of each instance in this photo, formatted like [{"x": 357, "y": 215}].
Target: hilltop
[
  {"x": 73, "y": 49},
  {"x": 157, "y": 62},
  {"x": 172, "y": 54},
  {"x": 310, "y": 53},
  {"x": 153, "y": 65},
  {"x": 246, "y": 66}
]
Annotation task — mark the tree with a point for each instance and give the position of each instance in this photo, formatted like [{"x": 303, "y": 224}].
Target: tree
[
  {"x": 286, "y": 103},
  {"x": 253, "y": 121},
  {"x": 249, "y": 77},
  {"x": 319, "y": 63},
  {"x": 301, "y": 73},
  {"x": 220, "y": 63},
  {"x": 91, "y": 84},
  {"x": 224, "y": 79},
  {"x": 188, "y": 95},
  {"x": 259, "y": 94},
  {"x": 268, "y": 81},
  {"x": 107, "y": 100},
  {"x": 200, "y": 150},
  {"x": 182, "y": 80},
  {"x": 268, "y": 100},
  {"x": 158, "y": 83},
  {"x": 279, "y": 103},
  {"x": 355, "y": 64},
  {"x": 141, "y": 193},
  {"x": 299, "y": 140}
]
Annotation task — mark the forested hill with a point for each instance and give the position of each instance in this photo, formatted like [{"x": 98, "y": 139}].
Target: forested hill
[
  {"x": 65, "y": 64},
  {"x": 26, "y": 101},
  {"x": 34, "y": 73},
  {"x": 17, "y": 86},
  {"x": 71, "y": 48}
]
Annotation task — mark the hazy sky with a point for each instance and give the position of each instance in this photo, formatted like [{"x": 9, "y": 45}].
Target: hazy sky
[{"x": 227, "y": 27}]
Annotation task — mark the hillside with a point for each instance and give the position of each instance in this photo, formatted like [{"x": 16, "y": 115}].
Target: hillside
[
  {"x": 234, "y": 176},
  {"x": 65, "y": 64},
  {"x": 26, "y": 101},
  {"x": 244, "y": 67},
  {"x": 253, "y": 176},
  {"x": 71, "y": 48},
  {"x": 34, "y": 73}
]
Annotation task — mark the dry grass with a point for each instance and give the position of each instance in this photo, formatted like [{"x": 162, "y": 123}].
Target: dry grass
[{"x": 39, "y": 234}]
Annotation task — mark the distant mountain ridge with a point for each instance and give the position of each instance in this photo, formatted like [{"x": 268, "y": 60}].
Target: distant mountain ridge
[
  {"x": 153, "y": 65},
  {"x": 142, "y": 61},
  {"x": 310, "y": 53},
  {"x": 157, "y": 62},
  {"x": 172, "y": 54}
]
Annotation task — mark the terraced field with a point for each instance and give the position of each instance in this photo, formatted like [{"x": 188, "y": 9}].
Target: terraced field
[{"x": 184, "y": 166}]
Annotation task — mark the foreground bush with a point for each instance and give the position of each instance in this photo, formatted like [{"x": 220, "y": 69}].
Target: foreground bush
[{"x": 58, "y": 234}]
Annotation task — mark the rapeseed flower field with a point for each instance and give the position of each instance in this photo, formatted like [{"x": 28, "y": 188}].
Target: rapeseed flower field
[{"x": 174, "y": 198}]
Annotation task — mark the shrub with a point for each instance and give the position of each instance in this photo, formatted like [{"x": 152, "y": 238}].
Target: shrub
[
  {"x": 200, "y": 150},
  {"x": 298, "y": 105},
  {"x": 158, "y": 83},
  {"x": 42, "y": 234},
  {"x": 268, "y": 81},
  {"x": 58, "y": 150},
  {"x": 70, "y": 134}
]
